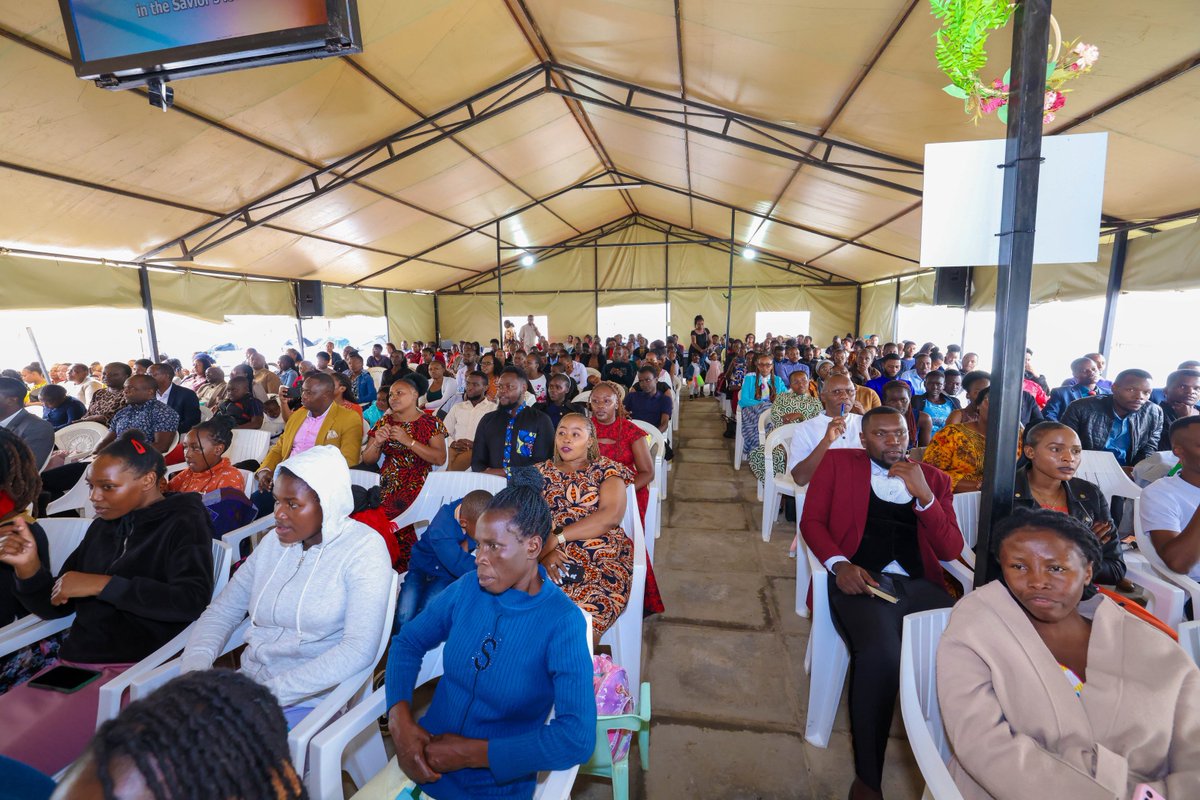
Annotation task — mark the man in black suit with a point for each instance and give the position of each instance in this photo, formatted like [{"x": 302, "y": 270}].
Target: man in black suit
[
  {"x": 33, "y": 430},
  {"x": 184, "y": 401}
]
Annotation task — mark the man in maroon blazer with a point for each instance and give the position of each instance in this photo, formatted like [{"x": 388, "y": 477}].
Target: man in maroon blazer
[{"x": 878, "y": 521}]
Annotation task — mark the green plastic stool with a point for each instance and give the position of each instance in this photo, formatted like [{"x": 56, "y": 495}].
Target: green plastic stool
[{"x": 601, "y": 762}]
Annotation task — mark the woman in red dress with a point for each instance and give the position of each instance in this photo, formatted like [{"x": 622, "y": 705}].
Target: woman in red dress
[
  {"x": 411, "y": 444},
  {"x": 622, "y": 441}
]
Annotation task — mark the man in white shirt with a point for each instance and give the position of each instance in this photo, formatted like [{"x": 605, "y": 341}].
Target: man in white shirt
[
  {"x": 80, "y": 384},
  {"x": 529, "y": 334},
  {"x": 837, "y": 428},
  {"x": 463, "y": 419},
  {"x": 1170, "y": 507},
  {"x": 577, "y": 371}
]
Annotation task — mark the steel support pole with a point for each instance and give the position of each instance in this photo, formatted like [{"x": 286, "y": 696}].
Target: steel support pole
[
  {"x": 966, "y": 308},
  {"x": 148, "y": 306},
  {"x": 499, "y": 285},
  {"x": 299, "y": 321},
  {"x": 1116, "y": 276},
  {"x": 1022, "y": 168},
  {"x": 896, "y": 318},
  {"x": 729, "y": 289},
  {"x": 666, "y": 284},
  {"x": 858, "y": 311},
  {"x": 387, "y": 322},
  {"x": 596, "y": 285}
]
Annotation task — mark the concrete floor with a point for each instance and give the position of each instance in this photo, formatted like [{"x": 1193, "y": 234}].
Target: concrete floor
[{"x": 726, "y": 660}]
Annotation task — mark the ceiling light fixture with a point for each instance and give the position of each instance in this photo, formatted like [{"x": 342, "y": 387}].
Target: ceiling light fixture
[
  {"x": 527, "y": 260},
  {"x": 749, "y": 254}
]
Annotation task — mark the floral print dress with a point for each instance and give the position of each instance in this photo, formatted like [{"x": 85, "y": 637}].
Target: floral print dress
[
  {"x": 606, "y": 561},
  {"x": 403, "y": 472},
  {"x": 787, "y": 403}
]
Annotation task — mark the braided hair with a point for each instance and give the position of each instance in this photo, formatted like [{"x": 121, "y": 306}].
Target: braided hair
[
  {"x": 19, "y": 478},
  {"x": 522, "y": 500},
  {"x": 219, "y": 429},
  {"x": 213, "y": 733}
]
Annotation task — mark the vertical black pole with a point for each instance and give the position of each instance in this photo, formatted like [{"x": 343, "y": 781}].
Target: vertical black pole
[
  {"x": 596, "y": 284},
  {"x": 858, "y": 310},
  {"x": 729, "y": 289},
  {"x": 666, "y": 282},
  {"x": 1022, "y": 168},
  {"x": 299, "y": 321},
  {"x": 387, "y": 321},
  {"x": 499, "y": 285},
  {"x": 1116, "y": 276},
  {"x": 148, "y": 305},
  {"x": 896, "y": 318}
]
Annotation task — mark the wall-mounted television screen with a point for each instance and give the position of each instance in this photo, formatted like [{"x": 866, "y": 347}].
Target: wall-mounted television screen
[{"x": 124, "y": 43}]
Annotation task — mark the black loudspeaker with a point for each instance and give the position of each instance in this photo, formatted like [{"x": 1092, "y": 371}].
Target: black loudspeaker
[
  {"x": 309, "y": 299},
  {"x": 950, "y": 286}
]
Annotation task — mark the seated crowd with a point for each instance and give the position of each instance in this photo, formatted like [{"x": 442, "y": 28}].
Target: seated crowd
[{"x": 498, "y": 576}]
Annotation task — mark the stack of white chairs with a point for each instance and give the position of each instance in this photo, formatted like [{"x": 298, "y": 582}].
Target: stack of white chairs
[{"x": 919, "y": 701}]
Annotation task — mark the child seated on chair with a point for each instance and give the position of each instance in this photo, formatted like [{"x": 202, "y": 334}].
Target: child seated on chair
[{"x": 443, "y": 553}]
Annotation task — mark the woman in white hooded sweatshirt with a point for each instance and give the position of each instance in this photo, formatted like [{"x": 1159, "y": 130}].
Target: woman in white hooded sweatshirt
[{"x": 315, "y": 589}]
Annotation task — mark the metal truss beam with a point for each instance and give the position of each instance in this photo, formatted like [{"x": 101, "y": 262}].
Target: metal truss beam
[
  {"x": 791, "y": 144},
  {"x": 504, "y": 96}
]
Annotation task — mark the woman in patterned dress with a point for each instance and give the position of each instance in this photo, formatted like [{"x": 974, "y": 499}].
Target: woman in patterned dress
[
  {"x": 411, "y": 443},
  {"x": 586, "y": 495},
  {"x": 759, "y": 390},
  {"x": 794, "y": 405},
  {"x": 958, "y": 449},
  {"x": 626, "y": 443}
]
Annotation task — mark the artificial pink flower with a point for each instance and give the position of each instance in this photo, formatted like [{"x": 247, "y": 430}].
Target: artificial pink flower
[
  {"x": 992, "y": 103},
  {"x": 1054, "y": 101},
  {"x": 1088, "y": 54},
  {"x": 1048, "y": 117}
]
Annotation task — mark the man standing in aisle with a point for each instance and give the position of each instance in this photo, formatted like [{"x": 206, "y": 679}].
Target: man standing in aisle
[{"x": 529, "y": 334}]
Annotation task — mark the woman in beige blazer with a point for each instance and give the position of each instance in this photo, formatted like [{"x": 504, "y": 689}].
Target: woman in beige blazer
[{"x": 1046, "y": 696}]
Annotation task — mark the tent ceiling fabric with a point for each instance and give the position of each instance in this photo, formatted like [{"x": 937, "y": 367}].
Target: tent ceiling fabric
[{"x": 96, "y": 173}]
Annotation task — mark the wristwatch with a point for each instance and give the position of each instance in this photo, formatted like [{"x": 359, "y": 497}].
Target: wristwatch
[{"x": 558, "y": 534}]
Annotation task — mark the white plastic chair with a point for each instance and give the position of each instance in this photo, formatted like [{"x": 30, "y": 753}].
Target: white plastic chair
[
  {"x": 738, "y": 440},
  {"x": 248, "y": 445},
  {"x": 677, "y": 384},
  {"x": 776, "y": 485},
  {"x": 109, "y": 703},
  {"x": 658, "y": 486},
  {"x": 445, "y": 464},
  {"x": 1101, "y": 468},
  {"x": 441, "y": 488},
  {"x": 354, "y": 742},
  {"x": 77, "y": 498},
  {"x": 1189, "y": 639},
  {"x": 625, "y": 635},
  {"x": 79, "y": 437},
  {"x": 62, "y": 537},
  {"x": 583, "y": 397},
  {"x": 347, "y": 695},
  {"x": 762, "y": 438},
  {"x": 966, "y": 511},
  {"x": 1146, "y": 561},
  {"x": 827, "y": 659},
  {"x": 919, "y": 701},
  {"x": 376, "y": 374},
  {"x": 360, "y": 477},
  {"x": 205, "y": 413}
]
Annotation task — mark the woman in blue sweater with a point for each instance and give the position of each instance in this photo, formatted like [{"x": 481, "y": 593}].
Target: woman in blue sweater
[{"x": 515, "y": 648}]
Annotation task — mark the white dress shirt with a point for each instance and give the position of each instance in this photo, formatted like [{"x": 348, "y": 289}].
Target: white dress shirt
[
  {"x": 889, "y": 489},
  {"x": 162, "y": 396},
  {"x": 462, "y": 420},
  {"x": 82, "y": 391},
  {"x": 579, "y": 374},
  {"x": 808, "y": 435}
]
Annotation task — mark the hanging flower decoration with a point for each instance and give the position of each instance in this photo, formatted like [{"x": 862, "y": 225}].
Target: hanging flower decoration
[{"x": 961, "y": 54}]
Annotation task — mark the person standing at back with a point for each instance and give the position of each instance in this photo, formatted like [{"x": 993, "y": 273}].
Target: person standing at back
[{"x": 529, "y": 334}]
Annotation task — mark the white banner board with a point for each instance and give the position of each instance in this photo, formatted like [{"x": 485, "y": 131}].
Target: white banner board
[{"x": 960, "y": 216}]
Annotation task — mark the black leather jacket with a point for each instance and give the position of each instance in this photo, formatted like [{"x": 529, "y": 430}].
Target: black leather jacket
[{"x": 1086, "y": 503}]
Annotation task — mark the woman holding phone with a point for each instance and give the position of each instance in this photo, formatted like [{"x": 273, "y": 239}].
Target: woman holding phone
[{"x": 142, "y": 574}]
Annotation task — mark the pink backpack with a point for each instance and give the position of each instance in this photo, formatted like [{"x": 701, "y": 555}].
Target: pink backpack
[{"x": 611, "y": 686}]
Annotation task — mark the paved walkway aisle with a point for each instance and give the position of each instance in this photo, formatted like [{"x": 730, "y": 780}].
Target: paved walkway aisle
[{"x": 726, "y": 662}]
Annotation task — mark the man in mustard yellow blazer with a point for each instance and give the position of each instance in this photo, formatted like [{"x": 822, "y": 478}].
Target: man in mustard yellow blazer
[{"x": 321, "y": 421}]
